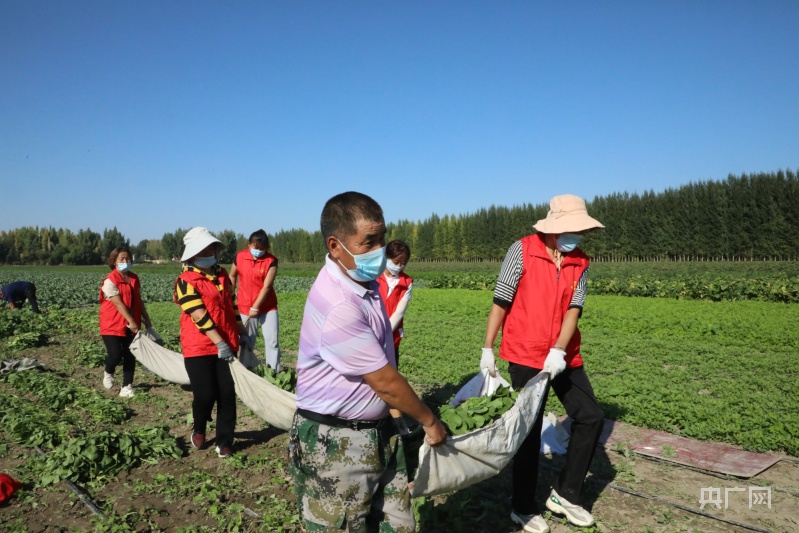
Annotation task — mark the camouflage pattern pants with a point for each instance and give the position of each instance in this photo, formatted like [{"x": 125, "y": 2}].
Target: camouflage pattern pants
[{"x": 350, "y": 480}]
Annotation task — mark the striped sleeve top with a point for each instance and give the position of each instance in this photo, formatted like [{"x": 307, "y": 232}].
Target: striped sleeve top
[
  {"x": 511, "y": 273},
  {"x": 190, "y": 300}
]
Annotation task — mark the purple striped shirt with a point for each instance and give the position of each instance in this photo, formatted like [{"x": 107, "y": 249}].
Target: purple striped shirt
[{"x": 345, "y": 334}]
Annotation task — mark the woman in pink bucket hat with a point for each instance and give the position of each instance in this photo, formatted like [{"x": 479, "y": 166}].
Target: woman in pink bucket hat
[{"x": 538, "y": 300}]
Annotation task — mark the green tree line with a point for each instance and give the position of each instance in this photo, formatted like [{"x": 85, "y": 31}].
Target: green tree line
[{"x": 746, "y": 217}]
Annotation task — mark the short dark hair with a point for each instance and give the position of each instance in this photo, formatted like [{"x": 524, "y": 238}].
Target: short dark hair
[
  {"x": 260, "y": 237},
  {"x": 396, "y": 248},
  {"x": 112, "y": 257},
  {"x": 343, "y": 211}
]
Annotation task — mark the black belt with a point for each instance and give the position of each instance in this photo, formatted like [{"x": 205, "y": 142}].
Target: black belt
[{"x": 330, "y": 420}]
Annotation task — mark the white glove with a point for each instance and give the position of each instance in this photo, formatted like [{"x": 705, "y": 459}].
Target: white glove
[
  {"x": 555, "y": 362},
  {"x": 487, "y": 361},
  {"x": 224, "y": 351}
]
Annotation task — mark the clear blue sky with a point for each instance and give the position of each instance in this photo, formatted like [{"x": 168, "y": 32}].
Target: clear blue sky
[{"x": 154, "y": 115}]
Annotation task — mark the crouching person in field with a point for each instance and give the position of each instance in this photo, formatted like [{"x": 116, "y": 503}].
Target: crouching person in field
[{"x": 344, "y": 448}]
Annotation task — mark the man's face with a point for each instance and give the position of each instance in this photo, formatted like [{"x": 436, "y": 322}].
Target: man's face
[{"x": 369, "y": 235}]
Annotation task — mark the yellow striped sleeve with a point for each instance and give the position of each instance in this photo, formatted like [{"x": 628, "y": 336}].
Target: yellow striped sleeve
[
  {"x": 190, "y": 301},
  {"x": 205, "y": 323}
]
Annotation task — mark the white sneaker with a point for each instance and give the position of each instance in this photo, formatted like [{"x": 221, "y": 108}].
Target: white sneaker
[
  {"x": 573, "y": 513},
  {"x": 534, "y": 523},
  {"x": 108, "y": 380},
  {"x": 126, "y": 391}
]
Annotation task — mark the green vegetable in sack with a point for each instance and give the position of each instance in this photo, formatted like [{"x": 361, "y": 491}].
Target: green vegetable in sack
[
  {"x": 479, "y": 412},
  {"x": 286, "y": 379}
]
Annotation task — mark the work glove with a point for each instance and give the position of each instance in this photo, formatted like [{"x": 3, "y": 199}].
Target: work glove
[
  {"x": 245, "y": 339},
  {"x": 487, "y": 361},
  {"x": 555, "y": 362},
  {"x": 224, "y": 351}
]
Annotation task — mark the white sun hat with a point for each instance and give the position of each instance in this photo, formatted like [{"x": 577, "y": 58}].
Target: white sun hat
[{"x": 196, "y": 240}]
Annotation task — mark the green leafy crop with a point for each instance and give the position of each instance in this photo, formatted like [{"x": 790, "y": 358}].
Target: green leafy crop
[
  {"x": 477, "y": 412},
  {"x": 286, "y": 379}
]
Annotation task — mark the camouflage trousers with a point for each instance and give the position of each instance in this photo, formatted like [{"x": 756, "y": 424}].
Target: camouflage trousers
[{"x": 350, "y": 480}]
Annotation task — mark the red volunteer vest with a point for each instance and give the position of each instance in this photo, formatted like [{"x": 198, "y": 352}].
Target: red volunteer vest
[
  {"x": 533, "y": 322},
  {"x": 111, "y": 320},
  {"x": 392, "y": 301},
  {"x": 252, "y": 273},
  {"x": 219, "y": 304}
]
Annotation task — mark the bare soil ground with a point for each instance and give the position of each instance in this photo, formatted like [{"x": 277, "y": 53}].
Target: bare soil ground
[{"x": 251, "y": 491}]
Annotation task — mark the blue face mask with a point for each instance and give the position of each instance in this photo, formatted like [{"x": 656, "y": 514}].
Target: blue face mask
[
  {"x": 204, "y": 262},
  {"x": 566, "y": 242},
  {"x": 123, "y": 267},
  {"x": 394, "y": 268},
  {"x": 368, "y": 266},
  {"x": 256, "y": 253}
]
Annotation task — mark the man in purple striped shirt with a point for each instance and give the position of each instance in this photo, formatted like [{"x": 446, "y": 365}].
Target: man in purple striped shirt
[{"x": 346, "y": 456}]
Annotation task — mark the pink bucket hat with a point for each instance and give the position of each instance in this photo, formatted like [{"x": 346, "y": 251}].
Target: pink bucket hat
[{"x": 567, "y": 214}]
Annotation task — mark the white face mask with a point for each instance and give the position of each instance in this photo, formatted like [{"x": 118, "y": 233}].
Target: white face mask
[
  {"x": 393, "y": 268},
  {"x": 123, "y": 267}
]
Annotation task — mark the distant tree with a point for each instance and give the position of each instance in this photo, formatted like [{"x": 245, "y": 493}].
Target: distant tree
[
  {"x": 112, "y": 238},
  {"x": 229, "y": 241},
  {"x": 85, "y": 250},
  {"x": 172, "y": 243}
]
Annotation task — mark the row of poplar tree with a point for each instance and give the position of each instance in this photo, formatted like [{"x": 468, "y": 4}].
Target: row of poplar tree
[{"x": 746, "y": 217}]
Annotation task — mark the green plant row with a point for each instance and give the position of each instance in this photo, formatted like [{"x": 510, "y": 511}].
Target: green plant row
[
  {"x": 66, "y": 289},
  {"x": 774, "y": 282},
  {"x": 89, "y": 353},
  {"x": 27, "y": 424},
  {"x": 714, "y": 289},
  {"x": 478, "y": 412},
  {"x": 104, "y": 453},
  {"x": 58, "y": 394},
  {"x": 23, "y": 328}
]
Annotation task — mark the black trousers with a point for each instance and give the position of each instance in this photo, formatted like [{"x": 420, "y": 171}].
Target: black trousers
[
  {"x": 118, "y": 350},
  {"x": 575, "y": 393},
  {"x": 30, "y": 295},
  {"x": 212, "y": 382}
]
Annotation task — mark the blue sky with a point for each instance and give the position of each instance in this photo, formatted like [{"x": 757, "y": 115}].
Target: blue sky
[{"x": 154, "y": 115}]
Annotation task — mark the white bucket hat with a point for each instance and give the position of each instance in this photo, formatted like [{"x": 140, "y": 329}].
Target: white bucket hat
[
  {"x": 567, "y": 214},
  {"x": 196, "y": 240}
]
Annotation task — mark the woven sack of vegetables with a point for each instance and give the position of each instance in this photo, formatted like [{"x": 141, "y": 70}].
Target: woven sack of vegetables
[{"x": 471, "y": 457}]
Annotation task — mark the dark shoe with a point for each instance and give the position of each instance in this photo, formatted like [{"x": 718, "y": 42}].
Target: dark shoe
[
  {"x": 224, "y": 451},
  {"x": 197, "y": 440}
]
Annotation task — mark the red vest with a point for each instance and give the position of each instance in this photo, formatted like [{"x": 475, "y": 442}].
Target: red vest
[
  {"x": 219, "y": 304},
  {"x": 252, "y": 273},
  {"x": 111, "y": 320},
  {"x": 533, "y": 322},
  {"x": 392, "y": 301}
]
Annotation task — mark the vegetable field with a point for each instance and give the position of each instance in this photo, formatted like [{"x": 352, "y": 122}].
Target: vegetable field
[{"x": 704, "y": 369}]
